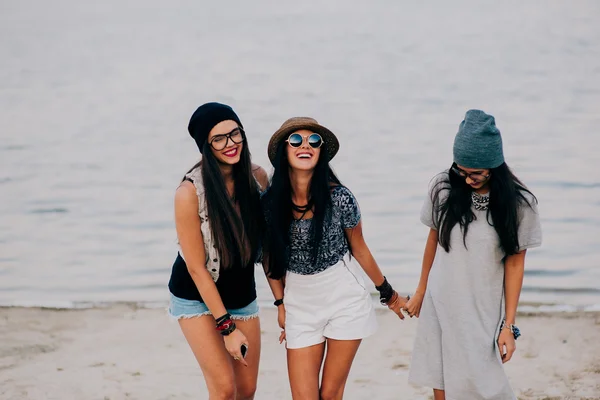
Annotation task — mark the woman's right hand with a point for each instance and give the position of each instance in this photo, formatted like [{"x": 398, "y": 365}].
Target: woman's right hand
[
  {"x": 233, "y": 344},
  {"x": 281, "y": 322},
  {"x": 413, "y": 306}
]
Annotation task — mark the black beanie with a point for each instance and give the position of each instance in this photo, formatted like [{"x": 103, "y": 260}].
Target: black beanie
[{"x": 206, "y": 117}]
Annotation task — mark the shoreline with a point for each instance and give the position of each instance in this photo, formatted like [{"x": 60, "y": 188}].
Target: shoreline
[
  {"x": 126, "y": 352},
  {"x": 528, "y": 308}
]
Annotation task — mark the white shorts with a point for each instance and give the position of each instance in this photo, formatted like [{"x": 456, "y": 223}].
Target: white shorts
[{"x": 332, "y": 304}]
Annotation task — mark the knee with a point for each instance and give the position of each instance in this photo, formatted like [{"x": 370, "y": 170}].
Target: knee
[
  {"x": 246, "y": 392},
  {"x": 224, "y": 392},
  {"x": 329, "y": 393}
]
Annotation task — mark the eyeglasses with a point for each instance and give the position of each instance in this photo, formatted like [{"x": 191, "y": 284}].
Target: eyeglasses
[
  {"x": 314, "y": 140},
  {"x": 219, "y": 142},
  {"x": 478, "y": 178}
]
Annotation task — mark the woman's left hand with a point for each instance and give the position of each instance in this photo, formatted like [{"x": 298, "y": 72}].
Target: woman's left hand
[
  {"x": 398, "y": 306},
  {"x": 506, "y": 344}
]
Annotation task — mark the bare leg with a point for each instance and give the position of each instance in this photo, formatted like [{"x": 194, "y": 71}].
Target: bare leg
[
  {"x": 246, "y": 377},
  {"x": 439, "y": 394},
  {"x": 304, "y": 366},
  {"x": 208, "y": 348},
  {"x": 340, "y": 354}
]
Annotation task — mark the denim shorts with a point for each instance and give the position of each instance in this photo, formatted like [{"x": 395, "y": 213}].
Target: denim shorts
[{"x": 182, "y": 308}]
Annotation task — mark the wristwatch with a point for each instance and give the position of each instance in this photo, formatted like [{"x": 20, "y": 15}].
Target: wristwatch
[
  {"x": 278, "y": 302},
  {"x": 513, "y": 328}
]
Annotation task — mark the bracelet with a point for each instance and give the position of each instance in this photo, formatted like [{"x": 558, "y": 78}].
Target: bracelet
[
  {"x": 386, "y": 292},
  {"x": 278, "y": 302},
  {"x": 226, "y": 327},
  {"x": 223, "y": 318},
  {"x": 512, "y": 328},
  {"x": 392, "y": 302}
]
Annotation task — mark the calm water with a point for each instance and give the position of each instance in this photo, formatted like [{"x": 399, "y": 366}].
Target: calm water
[{"x": 95, "y": 99}]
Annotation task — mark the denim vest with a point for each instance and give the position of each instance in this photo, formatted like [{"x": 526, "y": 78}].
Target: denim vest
[{"x": 212, "y": 254}]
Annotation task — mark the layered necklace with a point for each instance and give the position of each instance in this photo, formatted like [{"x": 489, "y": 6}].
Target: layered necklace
[
  {"x": 480, "y": 202},
  {"x": 302, "y": 210}
]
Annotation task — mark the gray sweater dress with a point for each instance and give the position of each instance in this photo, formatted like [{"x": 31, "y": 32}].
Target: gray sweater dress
[{"x": 455, "y": 349}]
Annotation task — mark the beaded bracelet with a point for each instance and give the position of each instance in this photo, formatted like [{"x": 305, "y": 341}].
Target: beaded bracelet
[{"x": 513, "y": 329}]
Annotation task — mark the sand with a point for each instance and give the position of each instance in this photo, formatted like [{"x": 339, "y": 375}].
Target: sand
[{"x": 123, "y": 352}]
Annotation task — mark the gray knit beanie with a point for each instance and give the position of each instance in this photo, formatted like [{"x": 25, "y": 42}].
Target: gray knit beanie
[{"x": 478, "y": 143}]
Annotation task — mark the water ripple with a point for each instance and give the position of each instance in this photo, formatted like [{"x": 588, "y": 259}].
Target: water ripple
[
  {"x": 574, "y": 290},
  {"x": 545, "y": 272},
  {"x": 56, "y": 210},
  {"x": 566, "y": 185}
]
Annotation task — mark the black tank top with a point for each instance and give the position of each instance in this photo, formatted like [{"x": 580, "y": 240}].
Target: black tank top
[{"x": 236, "y": 284}]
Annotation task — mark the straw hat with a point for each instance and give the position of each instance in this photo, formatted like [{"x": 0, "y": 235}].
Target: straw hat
[{"x": 303, "y": 123}]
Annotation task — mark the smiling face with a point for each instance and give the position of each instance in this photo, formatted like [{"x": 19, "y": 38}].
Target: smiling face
[
  {"x": 304, "y": 157},
  {"x": 226, "y": 141}
]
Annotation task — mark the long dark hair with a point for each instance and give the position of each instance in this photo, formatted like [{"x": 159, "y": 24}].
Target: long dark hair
[
  {"x": 237, "y": 236},
  {"x": 506, "y": 196},
  {"x": 278, "y": 204}
]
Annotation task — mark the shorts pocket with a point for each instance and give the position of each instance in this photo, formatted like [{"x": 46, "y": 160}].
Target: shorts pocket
[{"x": 354, "y": 277}]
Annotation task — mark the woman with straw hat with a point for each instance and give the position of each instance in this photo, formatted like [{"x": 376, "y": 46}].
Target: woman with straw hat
[{"x": 314, "y": 250}]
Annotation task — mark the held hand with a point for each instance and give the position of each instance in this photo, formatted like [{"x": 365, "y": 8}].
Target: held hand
[
  {"x": 396, "y": 304},
  {"x": 413, "y": 306},
  {"x": 506, "y": 344},
  {"x": 281, "y": 322},
  {"x": 233, "y": 344}
]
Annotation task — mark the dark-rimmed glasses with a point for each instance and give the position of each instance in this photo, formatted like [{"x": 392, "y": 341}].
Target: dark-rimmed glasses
[
  {"x": 475, "y": 177},
  {"x": 219, "y": 142},
  {"x": 314, "y": 140}
]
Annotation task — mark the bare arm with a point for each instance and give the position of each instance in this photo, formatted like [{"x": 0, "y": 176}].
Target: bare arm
[
  {"x": 514, "y": 268},
  {"x": 187, "y": 223},
  {"x": 428, "y": 257},
  {"x": 277, "y": 286},
  {"x": 362, "y": 254},
  {"x": 413, "y": 306}
]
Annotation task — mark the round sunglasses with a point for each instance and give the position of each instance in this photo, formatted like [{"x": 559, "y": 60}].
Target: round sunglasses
[{"x": 314, "y": 140}]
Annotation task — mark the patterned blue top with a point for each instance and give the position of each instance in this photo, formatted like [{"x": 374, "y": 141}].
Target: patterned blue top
[{"x": 345, "y": 215}]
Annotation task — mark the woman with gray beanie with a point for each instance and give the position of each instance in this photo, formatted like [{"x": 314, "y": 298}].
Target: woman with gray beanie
[
  {"x": 219, "y": 222},
  {"x": 482, "y": 220}
]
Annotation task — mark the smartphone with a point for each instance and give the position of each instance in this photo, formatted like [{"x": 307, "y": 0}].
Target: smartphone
[{"x": 244, "y": 350}]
